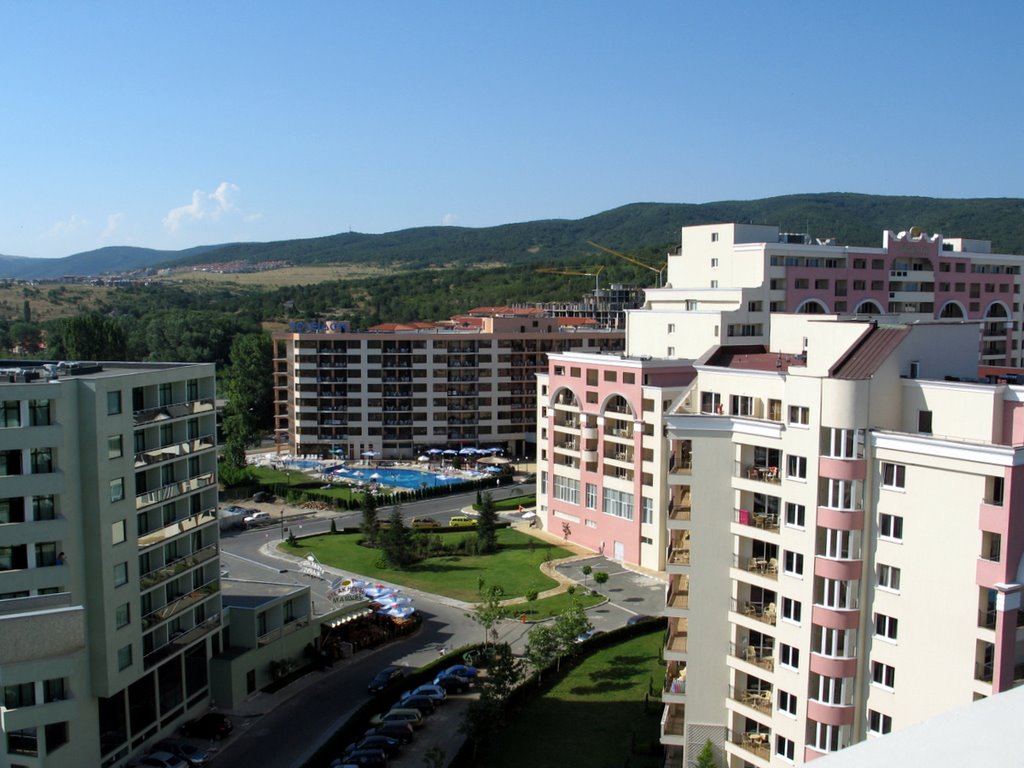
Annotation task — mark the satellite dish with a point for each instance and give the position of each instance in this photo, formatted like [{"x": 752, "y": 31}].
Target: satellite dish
[{"x": 915, "y": 231}]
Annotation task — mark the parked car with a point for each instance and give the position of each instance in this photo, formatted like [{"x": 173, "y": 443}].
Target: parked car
[
  {"x": 383, "y": 678},
  {"x": 424, "y": 522},
  {"x": 401, "y": 731},
  {"x": 589, "y": 634},
  {"x": 190, "y": 753},
  {"x": 163, "y": 760},
  {"x": 461, "y": 521},
  {"x": 462, "y": 670},
  {"x": 434, "y": 692},
  {"x": 212, "y": 725},
  {"x": 637, "y": 618},
  {"x": 263, "y": 497},
  {"x": 424, "y": 704},
  {"x": 453, "y": 683},
  {"x": 375, "y": 758},
  {"x": 386, "y": 744},
  {"x": 399, "y": 715},
  {"x": 257, "y": 518}
]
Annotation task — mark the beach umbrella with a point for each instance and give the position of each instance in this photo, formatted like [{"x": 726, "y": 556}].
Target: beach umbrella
[
  {"x": 435, "y": 451},
  {"x": 369, "y": 454},
  {"x": 424, "y": 458},
  {"x": 375, "y": 476},
  {"x": 528, "y": 515},
  {"x": 450, "y": 452}
]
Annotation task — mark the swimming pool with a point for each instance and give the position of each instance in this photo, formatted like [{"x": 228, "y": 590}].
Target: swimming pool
[
  {"x": 303, "y": 464},
  {"x": 399, "y": 478}
]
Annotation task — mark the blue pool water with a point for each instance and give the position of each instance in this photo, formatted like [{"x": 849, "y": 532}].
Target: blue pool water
[
  {"x": 304, "y": 464},
  {"x": 399, "y": 478}
]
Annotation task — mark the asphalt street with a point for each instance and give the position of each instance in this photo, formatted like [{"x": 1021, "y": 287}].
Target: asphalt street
[{"x": 285, "y": 730}]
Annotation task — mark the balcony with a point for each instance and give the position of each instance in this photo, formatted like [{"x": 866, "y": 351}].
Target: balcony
[
  {"x": 180, "y": 604},
  {"x": 174, "y": 490},
  {"x": 679, "y": 594},
  {"x": 678, "y": 636},
  {"x": 176, "y": 528},
  {"x": 762, "y": 474},
  {"x": 177, "y": 567},
  {"x": 679, "y": 509},
  {"x": 754, "y": 742},
  {"x": 763, "y": 612},
  {"x": 283, "y": 631},
  {"x": 174, "y": 411},
  {"x": 181, "y": 641},
  {"x": 174, "y": 451},
  {"x": 766, "y": 566},
  {"x": 762, "y": 656},
  {"x": 757, "y": 697},
  {"x": 763, "y": 521}
]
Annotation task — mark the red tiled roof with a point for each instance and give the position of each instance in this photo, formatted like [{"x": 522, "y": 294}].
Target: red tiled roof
[
  {"x": 753, "y": 357},
  {"x": 863, "y": 359}
]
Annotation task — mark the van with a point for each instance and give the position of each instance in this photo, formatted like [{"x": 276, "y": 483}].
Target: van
[
  {"x": 424, "y": 522},
  {"x": 461, "y": 521},
  {"x": 399, "y": 715}
]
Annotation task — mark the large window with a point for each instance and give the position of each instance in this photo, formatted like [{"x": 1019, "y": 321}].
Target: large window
[
  {"x": 566, "y": 489},
  {"x": 41, "y": 460},
  {"x": 113, "y": 403},
  {"x": 646, "y": 510},
  {"x": 618, "y": 503},
  {"x": 39, "y": 413},
  {"x": 591, "y": 496},
  {"x": 883, "y": 674},
  {"x": 796, "y": 467},
  {"x": 796, "y": 515},
  {"x": 889, "y": 577},
  {"x": 10, "y": 413},
  {"x": 885, "y": 626}
]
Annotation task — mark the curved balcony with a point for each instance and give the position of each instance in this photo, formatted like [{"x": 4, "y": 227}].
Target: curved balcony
[
  {"x": 840, "y": 570},
  {"x": 835, "y": 618},
  {"x": 841, "y": 519},
  {"x": 829, "y": 714},
  {"x": 833, "y": 666},
  {"x": 842, "y": 469}
]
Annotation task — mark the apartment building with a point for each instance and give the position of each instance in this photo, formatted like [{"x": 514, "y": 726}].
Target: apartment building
[
  {"x": 398, "y": 389},
  {"x": 109, "y": 565},
  {"x": 853, "y": 551},
  {"x": 729, "y": 278}
]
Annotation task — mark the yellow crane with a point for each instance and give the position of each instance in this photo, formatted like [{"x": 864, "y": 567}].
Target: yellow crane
[
  {"x": 556, "y": 271},
  {"x": 639, "y": 263}
]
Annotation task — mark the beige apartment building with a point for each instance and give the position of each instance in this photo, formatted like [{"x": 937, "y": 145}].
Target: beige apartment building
[
  {"x": 396, "y": 390},
  {"x": 109, "y": 566}
]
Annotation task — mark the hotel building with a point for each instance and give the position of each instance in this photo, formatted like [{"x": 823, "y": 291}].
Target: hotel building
[
  {"x": 399, "y": 389},
  {"x": 109, "y": 561}
]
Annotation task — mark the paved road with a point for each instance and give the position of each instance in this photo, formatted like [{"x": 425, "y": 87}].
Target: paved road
[{"x": 285, "y": 729}]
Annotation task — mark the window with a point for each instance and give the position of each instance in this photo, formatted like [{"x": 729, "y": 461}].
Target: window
[
  {"x": 714, "y": 283},
  {"x": 877, "y": 264},
  {"x": 41, "y": 460},
  {"x": 10, "y": 413},
  {"x": 799, "y": 414},
  {"x": 113, "y": 403},
  {"x": 889, "y": 577},
  {"x": 714, "y": 237},
  {"x": 646, "y": 510},
  {"x": 12, "y": 510},
  {"x": 122, "y": 615},
  {"x": 618, "y": 503},
  {"x": 795, "y": 515},
  {"x": 165, "y": 394},
  {"x": 19, "y": 695},
  {"x": 893, "y": 475},
  {"x": 115, "y": 448},
  {"x": 120, "y": 574},
  {"x": 566, "y": 489},
  {"x": 793, "y": 563},
  {"x": 791, "y": 610},
  {"x": 611, "y": 376},
  {"x": 924, "y": 422},
  {"x": 710, "y": 402},
  {"x": 24, "y": 741},
  {"x": 878, "y": 723},
  {"x": 890, "y": 526},
  {"x": 785, "y": 748},
  {"x": 796, "y": 467},
  {"x": 117, "y": 489},
  {"x": 192, "y": 389},
  {"x": 42, "y": 508},
  {"x": 670, "y": 352},
  {"x": 117, "y": 532},
  {"x": 124, "y": 657},
  {"x": 591, "y": 496},
  {"x": 787, "y": 703},
  {"x": 46, "y": 554},
  {"x": 883, "y": 674},
  {"x": 54, "y": 689},
  {"x": 885, "y": 626},
  {"x": 629, "y": 378},
  {"x": 741, "y": 405},
  {"x": 844, "y": 443},
  {"x": 671, "y": 327},
  {"x": 39, "y": 413},
  {"x": 789, "y": 656},
  {"x": 56, "y": 736}
]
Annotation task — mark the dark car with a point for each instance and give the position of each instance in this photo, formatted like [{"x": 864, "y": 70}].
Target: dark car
[
  {"x": 367, "y": 757},
  {"x": 263, "y": 497},
  {"x": 462, "y": 670},
  {"x": 191, "y": 754},
  {"x": 589, "y": 635},
  {"x": 386, "y": 744},
  {"x": 383, "y": 678},
  {"x": 401, "y": 731},
  {"x": 424, "y": 704},
  {"x": 210, "y": 726},
  {"x": 452, "y": 683},
  {"x": 637, "y": 618}
]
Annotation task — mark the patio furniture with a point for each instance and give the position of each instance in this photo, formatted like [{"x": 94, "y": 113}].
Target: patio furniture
[{"x": 773, "y": 565}]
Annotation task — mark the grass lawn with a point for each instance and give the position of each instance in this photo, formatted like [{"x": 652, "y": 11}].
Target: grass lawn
[
  {"x": 592, "y": 717},
  {"x": 515, "y": 567},
  {"x": 547, "y": 607}
]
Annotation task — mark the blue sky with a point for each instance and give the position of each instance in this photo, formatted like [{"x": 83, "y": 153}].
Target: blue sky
[{"x": 177, "y": 124}]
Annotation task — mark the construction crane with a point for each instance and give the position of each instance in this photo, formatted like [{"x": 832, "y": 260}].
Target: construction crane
[
  {"x": 656, "y": 270},
  {"x": 556, "y": 271}
]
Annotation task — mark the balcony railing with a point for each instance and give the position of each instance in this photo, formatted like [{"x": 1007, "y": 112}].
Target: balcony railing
[
  {"x": 174, "y": 490},
  {"x": 760, "y": 656},
  {"x": 173, "y": 411},
  {"x": 181, "y": 604},
  {"x": 176, "y": 528},
  {"x": 768, "y": 474},
  {"x": 283, "y": 631},
  {"x": 764, "y": 521},
  {"x": 181, "y": 641},
  {"x": 679, "y": 597},
  {"x": 177, "y": 567},
  {"x": 764, "y": 612},
  {"x": 755, "y": 698},
  {"x": 767, "y": 566},
  {"x": 174, "y": 451},
  {"x": 755, "y": 742}
]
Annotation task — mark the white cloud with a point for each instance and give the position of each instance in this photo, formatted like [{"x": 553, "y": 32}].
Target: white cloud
[
  {"x": 205, "y": 206},
  {"x": 76, "y": 223},
  {"x": 113, "y": 222},
  {"x": 449, "y": 219}
]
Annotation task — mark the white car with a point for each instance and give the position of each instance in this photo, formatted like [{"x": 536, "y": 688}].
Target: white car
[{"x": 256, "y": 518}]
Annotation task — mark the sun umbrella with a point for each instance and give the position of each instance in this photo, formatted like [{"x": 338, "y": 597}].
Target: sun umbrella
[
  {"x": 450, "y": 452},
  {"x": 435, "y": 451},
  {"x": 378, "y": 591},
  {"x": 370, "y": 453},
  {"x": 375, "y": 476},
  {"x": 424, "y": 458},
  {"x": 528, "y": 515}
]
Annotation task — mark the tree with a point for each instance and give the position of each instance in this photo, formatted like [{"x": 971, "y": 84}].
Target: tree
[
  {"x": 570, "y": 624},
  {"x": 706, "y": 757},
  {"x": 487, "y": 525},
  {"x": 89, "y": 337},
  {"x": 489, "y": 611},
  {"x": 248, "y": 387},
  {"x": 370, "y": 525},
  {"x": 600, "y": 577},
  {"x": 587, "y": 570},
  {"x": 395, "y": 540},
  {"x": 543, "y": 648},
  {"x": 26, "y": 336},
  {"x": 503, "y": 674}
]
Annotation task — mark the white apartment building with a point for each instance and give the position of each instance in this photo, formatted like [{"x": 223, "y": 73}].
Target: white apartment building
[
  {"x": 398, "y": 389},
  {"x": 109, "y": 565}
]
